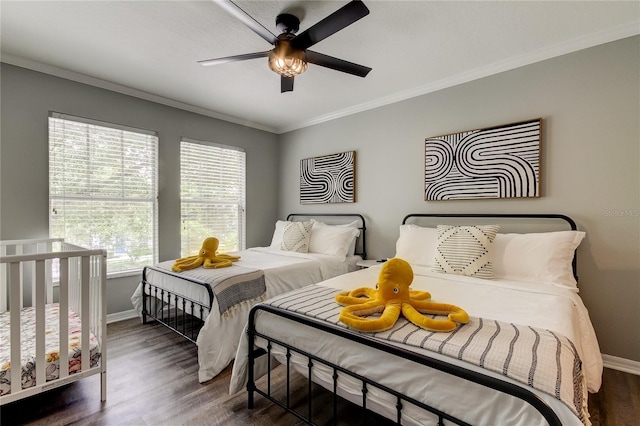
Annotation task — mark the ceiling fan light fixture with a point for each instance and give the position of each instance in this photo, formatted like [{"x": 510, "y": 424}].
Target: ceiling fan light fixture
[
  {"x": 287, "y": 61},
  {"x": 290, "y": 54},
  {"x": 287, "y": 66}
]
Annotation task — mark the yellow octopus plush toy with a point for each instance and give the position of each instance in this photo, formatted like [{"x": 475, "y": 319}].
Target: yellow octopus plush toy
[
  {"x": 393, "y": 297},
  {"x": 206, "y": 257}
]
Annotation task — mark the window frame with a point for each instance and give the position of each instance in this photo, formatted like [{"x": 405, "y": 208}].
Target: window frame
[
  {"x": 153, "y": 187},
  {"x": 241, "y": 202}
]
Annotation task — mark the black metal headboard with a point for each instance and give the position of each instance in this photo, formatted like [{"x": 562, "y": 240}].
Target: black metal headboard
[
  {"x": 525, "y": 216},
  {"x": 340, "y": 219}
]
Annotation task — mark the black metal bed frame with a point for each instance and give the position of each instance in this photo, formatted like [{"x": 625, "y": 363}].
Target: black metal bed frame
[
  {"x": 171, "y": 309},
  {"x": 490, "y": 382},
  {"x": 186, "y": 316}
]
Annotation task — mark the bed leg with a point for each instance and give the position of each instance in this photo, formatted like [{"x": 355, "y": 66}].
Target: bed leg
[
  {"x": 249, "y": 398},
  {"x": 144, "y": 306},
  {"x": 144, "y": 295},
  {"x": 251, "y": 386},
  {"x": 103, "y": 386}
]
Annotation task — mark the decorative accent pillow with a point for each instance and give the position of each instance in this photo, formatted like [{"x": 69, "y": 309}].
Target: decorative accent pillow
[
  {"x": 466, "y": 250},
  {"x": 543, "y": 257},
  {"x": 417, "y": 244},
  {"x": 295, "y": 236},
  {"x": 334, "y": 240}
]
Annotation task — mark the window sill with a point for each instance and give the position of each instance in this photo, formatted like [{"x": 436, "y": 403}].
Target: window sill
[
  {"x": 113, "y": 275},
  {"x": 124, "y": 274}
]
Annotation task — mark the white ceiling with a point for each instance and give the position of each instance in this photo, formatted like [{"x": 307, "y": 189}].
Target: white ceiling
[{"x": 150, "y": 49}]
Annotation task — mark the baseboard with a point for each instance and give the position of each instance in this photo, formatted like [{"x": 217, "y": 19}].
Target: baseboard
[
  {"x": 121, "y": 316},
  {"x": 621, "y": 364}
]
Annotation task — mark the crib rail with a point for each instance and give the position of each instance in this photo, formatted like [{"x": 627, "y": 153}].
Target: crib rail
[{"x": 34, "y": 273}]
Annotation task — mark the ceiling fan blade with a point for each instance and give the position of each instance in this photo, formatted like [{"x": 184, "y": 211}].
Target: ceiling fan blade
[
  {"x": 234, "y": 10},
  {"x": 337, "y": 64},
  {"x": 333, "y": 23},
  {"x": 286, "y": 84},
  {"x": 235, "y": 58}
]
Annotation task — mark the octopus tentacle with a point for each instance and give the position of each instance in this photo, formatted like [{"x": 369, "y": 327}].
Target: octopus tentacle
[
  {"x": 356, "y": 296},
  {"x": 441, "y": 309},
  {"x": 224, "y": 257},
  {"x": 215, "y": 263},
  {"x": 388, "y": 318},
  {"x": 363, "y": 309},
  {"x": 419, "y": 295},
  {"x": 425, "y": 322},
  {"x": 187, "y": 260},
  {"x": 187, "y": 263},
  {"x": 454, "y": 312},
  {"x": 351, "y": 315}
]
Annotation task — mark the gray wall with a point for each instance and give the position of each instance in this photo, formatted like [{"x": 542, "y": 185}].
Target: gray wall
[
  {"x": 27, "y": 98},
  {"x": 589, "y": 102}
]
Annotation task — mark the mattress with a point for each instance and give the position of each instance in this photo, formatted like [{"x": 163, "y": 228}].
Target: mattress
[
  {"x": 543, "y": 306},
  {"x": 52, "y": 346}
]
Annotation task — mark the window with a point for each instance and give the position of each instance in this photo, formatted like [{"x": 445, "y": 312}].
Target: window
[
  {"x": 212, "y": 195},
  {"x": 103, "y": 189}
]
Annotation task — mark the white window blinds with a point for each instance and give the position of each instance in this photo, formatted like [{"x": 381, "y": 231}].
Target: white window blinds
[
  {"x": 103, "y": 189},
  {"x": 212, "y": 195}
]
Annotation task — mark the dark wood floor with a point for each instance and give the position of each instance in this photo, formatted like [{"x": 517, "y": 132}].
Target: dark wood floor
[{"x": 152, "y": 380}]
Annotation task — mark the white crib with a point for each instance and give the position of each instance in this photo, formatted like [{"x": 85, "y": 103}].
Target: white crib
[{"x": 49, "y": 286}]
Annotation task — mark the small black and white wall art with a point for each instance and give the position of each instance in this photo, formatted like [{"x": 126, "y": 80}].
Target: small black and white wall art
[
  {"x": 328, "y": 179},
  {"x": 496, "y": 162}
]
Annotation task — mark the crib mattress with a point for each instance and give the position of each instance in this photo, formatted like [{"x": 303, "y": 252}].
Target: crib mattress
[{"x": 52, "y": 346}]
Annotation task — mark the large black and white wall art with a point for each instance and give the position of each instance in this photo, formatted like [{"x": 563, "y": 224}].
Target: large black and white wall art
[
  {"x": 496, "y": 162},
  {"x": 328, "y": 179}
]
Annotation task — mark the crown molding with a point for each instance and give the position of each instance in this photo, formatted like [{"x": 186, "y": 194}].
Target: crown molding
[
  {"x": 125, "y": 90},
  {"x": 570, "y": 46}
]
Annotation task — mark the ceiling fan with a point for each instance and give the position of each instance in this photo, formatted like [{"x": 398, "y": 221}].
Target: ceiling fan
[{"x": 290, "y": 56}]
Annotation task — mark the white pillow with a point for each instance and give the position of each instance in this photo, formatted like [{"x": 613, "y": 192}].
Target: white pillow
[
  {"x": 276, "y": 240},
  {"x": 544, "y": 257},
  {"x": 296, "y": 236},
  {"x": 417, "y": 244},
  {"x": 352, "y": 245},
  {"x": 332, "y": 240},
  {"x": 466, "y": 250}
]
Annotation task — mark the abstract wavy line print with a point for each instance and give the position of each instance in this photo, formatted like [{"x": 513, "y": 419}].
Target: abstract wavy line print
[
  {"x": 328, "y": 179},
  {"x": 498, "y": 162}
]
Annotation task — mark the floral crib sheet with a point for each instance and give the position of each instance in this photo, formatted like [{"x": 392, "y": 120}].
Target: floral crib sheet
[{"x": 52, "y": 346}]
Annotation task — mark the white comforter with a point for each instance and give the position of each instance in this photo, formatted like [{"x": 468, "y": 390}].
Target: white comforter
[
  {"x": 555, "y": 308},
  {"x": 284, "y": 271}
]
